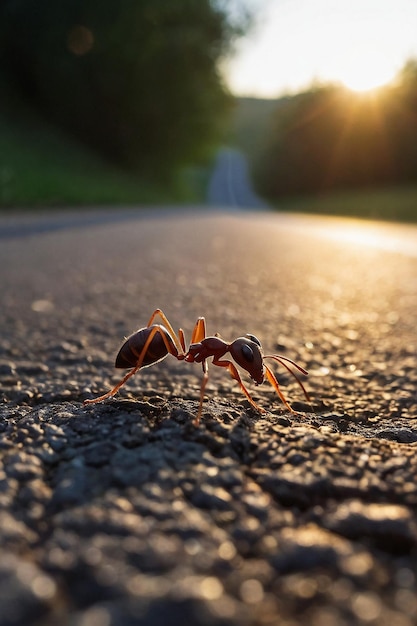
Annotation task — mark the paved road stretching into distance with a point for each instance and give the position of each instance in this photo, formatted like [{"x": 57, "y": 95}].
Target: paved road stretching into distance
[
  {"x": 123, "y": 513},
  {"x": 230, "y": 185}
]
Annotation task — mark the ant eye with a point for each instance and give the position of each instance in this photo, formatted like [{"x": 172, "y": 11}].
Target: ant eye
[
  {"x": 254, "y": 339},
  {"x": 247, "y": 353}
]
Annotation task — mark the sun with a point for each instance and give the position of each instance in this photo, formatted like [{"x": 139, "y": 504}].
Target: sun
[
  {"x": 363, "y": 81},
  {"x": 365, "y": 72}
]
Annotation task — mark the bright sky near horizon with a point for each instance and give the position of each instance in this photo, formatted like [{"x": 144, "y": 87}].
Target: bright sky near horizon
[{"x": 360, "y": 43}]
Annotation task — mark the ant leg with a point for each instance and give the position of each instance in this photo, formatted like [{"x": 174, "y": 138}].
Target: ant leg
[
  {"x": 182, "y": 340},
  {"x": 236, "y": 376},
  {"x": 179, "y": 342},
  {"x": 270, "y": 376},
  {"x": 133, "y": 371},
  {"x": 113, "y": 391},
  {"x": 199, "y": 332},
  {"x": 202, "y": 390}
]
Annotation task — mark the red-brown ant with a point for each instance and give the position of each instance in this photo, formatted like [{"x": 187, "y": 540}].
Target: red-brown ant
[{"x": 153, "y": 343}]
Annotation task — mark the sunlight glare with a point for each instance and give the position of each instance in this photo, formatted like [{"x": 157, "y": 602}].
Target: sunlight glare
[
  {"x": 295, "y": 44},
  {"x": 371, "y": 234},
  {"x": 365, "y": 72}
]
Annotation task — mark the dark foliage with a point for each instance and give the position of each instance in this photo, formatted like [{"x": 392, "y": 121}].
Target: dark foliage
[
  {"x": 136, "y": 80},
  {"x": 329, "y": 138}
]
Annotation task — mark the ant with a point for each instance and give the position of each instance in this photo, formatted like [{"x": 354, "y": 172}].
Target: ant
[{"x": 153, "y": 343}]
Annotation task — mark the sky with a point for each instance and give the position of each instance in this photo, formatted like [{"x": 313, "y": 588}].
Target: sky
[{"x": 294, "y": 43}]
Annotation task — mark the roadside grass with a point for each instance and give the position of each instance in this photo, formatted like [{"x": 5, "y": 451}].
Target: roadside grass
[
  {"x": 391, "y": 203},
  {"x": 41, "y": 166}
]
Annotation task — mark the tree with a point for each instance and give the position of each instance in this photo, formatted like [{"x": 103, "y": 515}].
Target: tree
[
  {"x": 330, "y": 139},
  {"x": 138, "y": 80}
]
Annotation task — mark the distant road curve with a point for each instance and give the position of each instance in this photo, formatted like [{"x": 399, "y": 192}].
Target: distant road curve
[{"x": 230, "y": 185}]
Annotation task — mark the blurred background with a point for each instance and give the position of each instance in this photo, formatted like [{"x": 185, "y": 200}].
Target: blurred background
[{"x": 125, "y": 102}]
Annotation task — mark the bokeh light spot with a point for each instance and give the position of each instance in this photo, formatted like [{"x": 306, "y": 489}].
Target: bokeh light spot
[{"x": 80, "y": 40}]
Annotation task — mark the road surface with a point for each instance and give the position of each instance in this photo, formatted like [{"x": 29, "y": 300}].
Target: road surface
[
  {"x": 230, "y": 184},
  {"x": 123, "y": 513}
]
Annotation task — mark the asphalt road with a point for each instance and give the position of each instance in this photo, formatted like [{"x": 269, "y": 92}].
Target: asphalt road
[
  {"x": 123, "y": 513},
  {"x": 230, "y": 184}
]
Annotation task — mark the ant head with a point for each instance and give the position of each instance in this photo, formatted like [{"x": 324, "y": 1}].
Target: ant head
[{"x": 247, "y": 352}]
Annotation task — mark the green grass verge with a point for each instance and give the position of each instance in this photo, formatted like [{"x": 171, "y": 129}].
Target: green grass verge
[
  {"x": 393, "y": 203},
  {"x": 42, "y": 166}
]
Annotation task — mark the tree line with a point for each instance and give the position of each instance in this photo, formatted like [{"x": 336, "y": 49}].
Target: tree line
[
  {"x": 329, "y": 138},
  {"x": 137, "y": 81}
]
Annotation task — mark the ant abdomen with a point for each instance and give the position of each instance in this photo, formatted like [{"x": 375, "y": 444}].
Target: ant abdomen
[{"x": 131, "y": 349}]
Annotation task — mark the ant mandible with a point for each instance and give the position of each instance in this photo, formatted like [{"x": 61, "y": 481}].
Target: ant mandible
[{"x": 153, "y": 343}]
